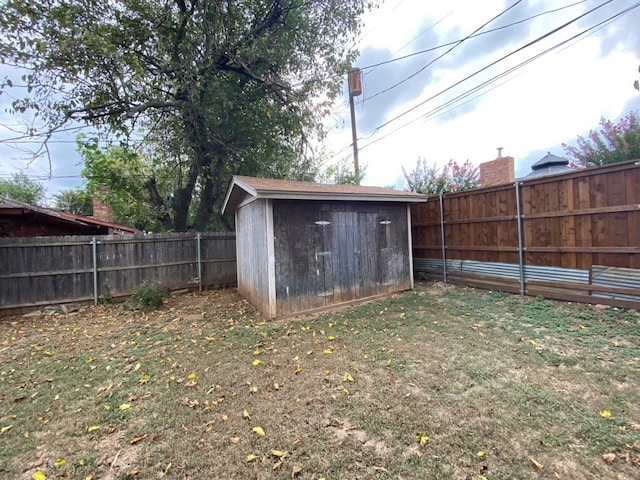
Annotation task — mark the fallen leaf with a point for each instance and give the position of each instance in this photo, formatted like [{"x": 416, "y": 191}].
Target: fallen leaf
[
  {"x": 125, "y": 406},
  {"x": 168, "y": 467},
  {"x": 380, "y": 469},
  {"x": 347, "y": 378},
  {"x": 256, "y": 362},
  {"x": 59, "y": 462},
  {"x": 480, "y": 454},
  {"x": 532, "y": 342},
  {"x": 251, "y": 457},
  {"x": 538, "y": 465},
  {"x": 191, "y": 376},
  {"x": 93, "y": 428},
  {"x": 235, "y": 440},
  {"x": 6, "y": 429},
  {"x": 422, "y": 438},
  {"x": 327, "y": 351},
  {"x": 277, "y": 465},
  {"x": 224, "y": 418},
  {"x": 245, "y": 414},
  {"x": 259, "y": 431},
  {"x": 137, "y": 367},
  {"x": 609, "y": 457},
  {"x": 144, "y": 379},
  {"x": 278, "y": 453},
  {"x": 605, "y": 413},
  {"x": 295, "y": 471},
  {"x": 39, "y": 475},
  {"x": 138, "y": 438}
]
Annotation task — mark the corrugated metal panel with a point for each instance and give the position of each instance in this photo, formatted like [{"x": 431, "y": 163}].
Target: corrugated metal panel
[
  {"x": 616, "y": 277},
  {"x": 507, "y": 270}
]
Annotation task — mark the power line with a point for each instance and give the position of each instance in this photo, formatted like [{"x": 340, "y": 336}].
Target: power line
[
  {"x": 428, "y": 115},
  {"x": 457, "y": 44},
  {"x": 479, "y": 34},
  {"x": 519, "y": 49}
]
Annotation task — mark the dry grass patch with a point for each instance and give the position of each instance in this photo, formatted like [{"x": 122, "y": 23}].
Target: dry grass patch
[{"x": 442, "y": 382}]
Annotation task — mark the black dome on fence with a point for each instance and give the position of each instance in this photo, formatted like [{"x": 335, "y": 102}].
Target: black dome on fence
[{"x": 550, "y": 164}]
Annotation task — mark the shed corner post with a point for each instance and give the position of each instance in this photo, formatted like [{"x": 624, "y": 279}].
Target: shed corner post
[
  {"x": 94, "y": 251},
  {"x": 271, "y": 257},
  {"x": 410, "y": 241}
]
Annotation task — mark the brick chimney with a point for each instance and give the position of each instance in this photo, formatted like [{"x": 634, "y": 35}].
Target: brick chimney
[
  {"x": 498, "y": 171},
  {"x": 101, "y": 210}
]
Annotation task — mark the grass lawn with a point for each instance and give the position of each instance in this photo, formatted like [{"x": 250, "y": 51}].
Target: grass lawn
[{"x": 440, "y": 383}]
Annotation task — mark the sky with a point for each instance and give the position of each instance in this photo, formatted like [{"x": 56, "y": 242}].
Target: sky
[{"x": 527, "y": 76}]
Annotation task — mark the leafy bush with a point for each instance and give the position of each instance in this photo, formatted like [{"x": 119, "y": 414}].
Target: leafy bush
[{"x": 149, "y": 296}]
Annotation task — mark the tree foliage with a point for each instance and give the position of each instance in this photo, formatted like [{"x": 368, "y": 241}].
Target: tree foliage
[
  {"x": 22, "y": 189},
  {"x": 614, "y": 142},
  {"x": 206, "y": 88},
  {"x": 430, "y": 180},
  {"x": 77, "y": 201},
  {"x": 342, "y": 173}
]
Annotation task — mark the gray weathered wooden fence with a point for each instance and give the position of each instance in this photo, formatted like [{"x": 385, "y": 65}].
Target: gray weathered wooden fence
[{"x": 54, "y": 270}]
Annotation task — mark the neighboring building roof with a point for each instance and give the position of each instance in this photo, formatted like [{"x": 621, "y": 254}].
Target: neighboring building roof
[
  {"x": 14, "y": 207},
  {"x": 294, "y": 190},
  {"x": 549, "y": 165},
  {"x": 97, "y": 221}
]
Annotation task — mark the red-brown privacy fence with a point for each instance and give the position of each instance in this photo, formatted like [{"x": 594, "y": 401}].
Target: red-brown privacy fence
[{"x": 573, "y": 236}]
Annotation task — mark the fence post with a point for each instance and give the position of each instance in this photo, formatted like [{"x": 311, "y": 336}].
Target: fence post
[
  {"x": 94, "y": 248},
  {"x": 520, "y": 249},
  {"x": 444, "y": 247},
  {"x": 199, "y": 257}
]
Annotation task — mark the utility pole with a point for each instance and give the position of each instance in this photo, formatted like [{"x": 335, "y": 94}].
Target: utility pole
[{"x": 355, "y": 89}]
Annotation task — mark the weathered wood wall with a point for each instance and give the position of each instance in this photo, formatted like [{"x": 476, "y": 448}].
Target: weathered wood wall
[
  {"x": 586, "y": 221},
  {"x": 252, "y": 248},
  {"x": 332, "y": 252},
  {"x": 40, "y": 271}
]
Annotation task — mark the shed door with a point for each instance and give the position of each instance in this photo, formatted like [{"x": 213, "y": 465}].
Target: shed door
[{"x": 340, "y": 270}]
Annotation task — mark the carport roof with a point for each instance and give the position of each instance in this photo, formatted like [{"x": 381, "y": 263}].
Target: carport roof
[{"x": 242, "y": 186}]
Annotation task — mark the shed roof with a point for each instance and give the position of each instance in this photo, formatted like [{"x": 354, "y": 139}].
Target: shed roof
[{"x": 242, "y": 186}]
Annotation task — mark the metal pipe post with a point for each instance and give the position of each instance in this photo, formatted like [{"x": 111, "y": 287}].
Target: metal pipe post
[
  {"x": 444, "y": 247},
  {"x": 198, "y": 238},
  {"x": 520, "y": 248},
  {"x": 94, "y": 248}
]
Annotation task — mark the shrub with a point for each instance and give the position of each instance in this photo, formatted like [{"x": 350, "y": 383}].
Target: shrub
[{"x": 149, "y": 296}]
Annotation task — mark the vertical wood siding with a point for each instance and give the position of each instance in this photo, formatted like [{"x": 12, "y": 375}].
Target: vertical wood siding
[
  {"x": 576, "y": 220},
  {"x": 334, "y": 252},
  {"x": 38, "y": 271},
  {"x": 252, "y": 248}
]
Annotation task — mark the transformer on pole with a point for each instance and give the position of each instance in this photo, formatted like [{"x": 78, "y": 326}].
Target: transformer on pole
[{"x": 355, "y": 89}]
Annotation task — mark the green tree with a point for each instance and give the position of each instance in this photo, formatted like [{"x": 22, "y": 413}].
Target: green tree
[
  {"x": 22, "y": 189},
  {"x": 430, "y": 180},
  {"x": 76, "y": 201},
  {"x": 342, "y": 173},
  {"x": 208, "y": 88},
  {"x": 136, "y": 189},
  {"x": 614, "y": 142}
]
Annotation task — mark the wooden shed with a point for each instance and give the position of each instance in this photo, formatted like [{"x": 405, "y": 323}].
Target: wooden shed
[{"x": 303, "y": 246}]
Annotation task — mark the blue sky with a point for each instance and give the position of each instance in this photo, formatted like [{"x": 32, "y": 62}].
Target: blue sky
[{"x": 538, "y": 101}]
